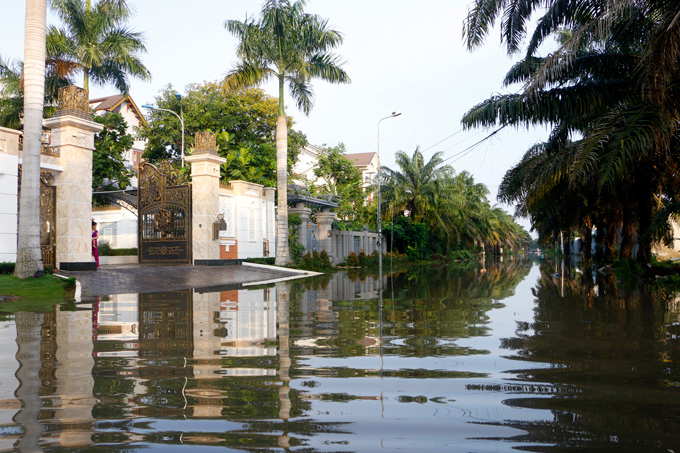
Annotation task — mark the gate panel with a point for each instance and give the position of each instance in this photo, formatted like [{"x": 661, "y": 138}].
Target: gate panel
[
  {"x": 164, "y": 203},
  {"x": 48, "y": 217}
]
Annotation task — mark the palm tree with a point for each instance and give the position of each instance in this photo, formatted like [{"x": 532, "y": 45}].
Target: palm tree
[
  {"x": 57, "y": 74},
  {"x": 29, "y": 260},
  {"x": 98, "y": 42},
  {"x": 293, "y": 47},
  {"x": 413, "y": 186}
]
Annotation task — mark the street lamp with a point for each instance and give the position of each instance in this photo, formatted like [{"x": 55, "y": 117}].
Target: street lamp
[
  {"x": 181, "y": 118},
  {"x": 393, "y": 115}
]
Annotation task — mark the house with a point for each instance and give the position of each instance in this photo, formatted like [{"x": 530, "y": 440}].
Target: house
[
  {"x": 123, "y": 104},
  {"x": 368, "y": 164},
  {"x": 118, "y": 226}
]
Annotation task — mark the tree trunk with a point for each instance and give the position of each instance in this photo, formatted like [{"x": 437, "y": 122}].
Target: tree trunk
[
  {"x": 282, "y": 249},
  {"x": 611, "y": 239},
  {"x": 29, "y": 261},
  {"x": 599, "y": 241},
  {"x": 628, "y": 232}
]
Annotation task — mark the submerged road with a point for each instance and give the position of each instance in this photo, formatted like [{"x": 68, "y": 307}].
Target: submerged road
[{"x": 135, "y": 278}]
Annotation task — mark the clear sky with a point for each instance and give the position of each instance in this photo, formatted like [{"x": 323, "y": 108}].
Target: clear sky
[{"x": 401, "y": 55}]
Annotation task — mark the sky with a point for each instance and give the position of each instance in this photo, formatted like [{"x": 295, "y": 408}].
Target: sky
[{"x": 400, "y": 55}]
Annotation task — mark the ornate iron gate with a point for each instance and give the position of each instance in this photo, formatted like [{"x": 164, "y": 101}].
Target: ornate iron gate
[
  {"x": 48, "y": 217},
  {"x": 164, "y": 207}
]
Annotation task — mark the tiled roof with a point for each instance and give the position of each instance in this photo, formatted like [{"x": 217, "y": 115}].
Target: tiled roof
[
  {"x": 360, "y": 159},
  {"x": 108, "y": 102}
]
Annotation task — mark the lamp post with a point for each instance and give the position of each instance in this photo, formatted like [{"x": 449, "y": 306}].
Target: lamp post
[
  {"x": 181, "y": 119},
  {"x": 393, "y": 115}
]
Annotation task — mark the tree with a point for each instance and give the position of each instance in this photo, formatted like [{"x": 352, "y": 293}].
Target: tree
[
  {"x": 293, "y": 47},
  {"x": 613, "y": 80},
  {"x": 57, "y": 75},
  {"x": 412, "y": 187},
  {"x": 29, "y": 259},
  {"x": 244, "y": 123},
  {"x": 96, "y": 39},
  {"x": 340, "y": 177},
  {"x": 108, "y": 159}
]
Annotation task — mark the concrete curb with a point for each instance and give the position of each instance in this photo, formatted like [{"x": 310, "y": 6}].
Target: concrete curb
[{"x": 300, "y": 274}]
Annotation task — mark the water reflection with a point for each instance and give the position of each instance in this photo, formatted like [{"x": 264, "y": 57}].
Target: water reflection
[{"x": 496, "y": 357}]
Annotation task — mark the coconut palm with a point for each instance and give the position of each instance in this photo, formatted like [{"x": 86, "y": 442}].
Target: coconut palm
[
  {"x": 96, "y": 39},
  {"x": 29, "y": 260},
  {"x": 293, "y": 47}
]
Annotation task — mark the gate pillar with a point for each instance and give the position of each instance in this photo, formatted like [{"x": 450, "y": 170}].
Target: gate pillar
[
  {"x": 305, "y": 214},
  {"x": 325, "y": 221},
  {"x": 205, "y": 187},
  {"x": 73, "y": 136}
]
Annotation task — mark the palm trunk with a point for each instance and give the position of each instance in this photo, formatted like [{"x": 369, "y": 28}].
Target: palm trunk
[
  {"x": 29, "y": 261},
  {"x": 629, "y": 227},
  {"x": 282, "y": 249}
]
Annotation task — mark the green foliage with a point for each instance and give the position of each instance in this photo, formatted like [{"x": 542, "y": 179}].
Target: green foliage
[
  {"x": 105, "y": 249},
  {"x": 244, "y": 123},
  {"x": 340, "y": 177},
  {"x": 96, "y": 39},
  {"x": 57, "y": 75},
  {"x": 296, "y": 248},
  {"x": 352, "y": 260},
  {"x": 6, "y": 268},
  {"x": 315, "y": 261},
  {"x": 111, "y": 144}
]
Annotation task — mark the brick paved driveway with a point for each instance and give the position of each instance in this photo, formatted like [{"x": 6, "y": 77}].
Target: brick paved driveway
[{"x": 134, "y": 278}]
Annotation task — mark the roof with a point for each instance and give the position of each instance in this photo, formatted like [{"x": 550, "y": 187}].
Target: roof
[
  {"x": 109, "y": 103},
  {"x": 361, "y": 159}
]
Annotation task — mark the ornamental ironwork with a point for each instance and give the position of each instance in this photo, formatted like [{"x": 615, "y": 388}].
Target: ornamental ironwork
[
  {"x": 74, "y": 101},
  {"x": 164, "y": 210},
  {"x": 205, "y": 143},
  {"x": 48, "y": 217}
]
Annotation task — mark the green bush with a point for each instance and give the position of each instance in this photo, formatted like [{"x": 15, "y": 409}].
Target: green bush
[
  {"x": 6, "y": 268},
  {"x": 352, "y": 260},
  {"x": 269, "y": 260},
  {"x": 105, "y": 249}
]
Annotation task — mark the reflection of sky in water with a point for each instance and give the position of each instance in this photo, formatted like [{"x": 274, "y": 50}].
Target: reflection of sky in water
[{"x": 459, "y": 366}]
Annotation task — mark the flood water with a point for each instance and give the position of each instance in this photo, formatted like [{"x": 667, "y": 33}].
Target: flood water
[{"x": 515, "y": 356}]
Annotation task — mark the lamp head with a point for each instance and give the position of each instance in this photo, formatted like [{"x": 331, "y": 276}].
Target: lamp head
[
  {"x": 396, "y": 113},
  {"x": 147, "y": 106},
  {"x": 178, "y": 96}
]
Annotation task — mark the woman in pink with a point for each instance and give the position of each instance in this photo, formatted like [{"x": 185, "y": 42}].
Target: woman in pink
[{"x": 95, "y": 236}]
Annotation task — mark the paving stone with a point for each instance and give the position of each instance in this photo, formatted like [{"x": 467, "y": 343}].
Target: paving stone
[{"x": 135, "y": 278}]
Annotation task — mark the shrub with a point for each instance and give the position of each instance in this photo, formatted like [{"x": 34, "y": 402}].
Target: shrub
[
  {"x": 6, "y": 268},
  {"x": 352, "y": 259}
]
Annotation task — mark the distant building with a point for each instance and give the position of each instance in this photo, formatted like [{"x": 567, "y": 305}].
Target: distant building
[
  {"x": 123, "y": 104},
  {"x": 368, "y": 164}
]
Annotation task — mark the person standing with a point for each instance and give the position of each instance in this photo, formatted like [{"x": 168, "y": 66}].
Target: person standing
[{"x": 95, "y": 236}]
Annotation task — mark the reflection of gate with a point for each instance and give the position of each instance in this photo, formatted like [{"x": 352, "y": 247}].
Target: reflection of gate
[
  {"x": 166, "y": 324},
  {"x": 48, "y": 217},
  {"x": 164, "y": 207}
]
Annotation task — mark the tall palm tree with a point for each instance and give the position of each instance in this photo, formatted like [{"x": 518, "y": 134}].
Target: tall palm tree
[
  {"x": 413, "y": 186},
  {"x": 97, "y": 40},
  {"x": 29, "y": 260},
  {"x": 293, "y": 47}
]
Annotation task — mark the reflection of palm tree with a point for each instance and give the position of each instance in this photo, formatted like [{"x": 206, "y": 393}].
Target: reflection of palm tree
[
  {"x": 291, "y": 46},
  {"x": 28, "y": 326},
  {"x": 283, "y": 321}
]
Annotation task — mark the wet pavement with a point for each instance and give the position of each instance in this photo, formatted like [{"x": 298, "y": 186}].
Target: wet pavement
[{"x": 135, "y": 278}]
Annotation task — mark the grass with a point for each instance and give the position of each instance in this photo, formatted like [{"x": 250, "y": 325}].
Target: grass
[{"x": 33, "y": 294}]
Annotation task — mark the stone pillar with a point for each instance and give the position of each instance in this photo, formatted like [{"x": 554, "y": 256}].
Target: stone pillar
[
  {"x": 205, "y": 194},
  {"x": 305, "y": 214},
  {"x": 324, "y": 220},
  {"x": 73, "y": 135}
]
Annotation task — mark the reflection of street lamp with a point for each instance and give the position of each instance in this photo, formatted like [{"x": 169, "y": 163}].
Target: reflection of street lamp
[
  {"x": 394, "y": 114},
  {"x": 181, "y": 118}
]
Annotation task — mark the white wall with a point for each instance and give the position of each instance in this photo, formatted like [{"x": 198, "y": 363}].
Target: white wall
[{"x": 8, "y": 207}]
